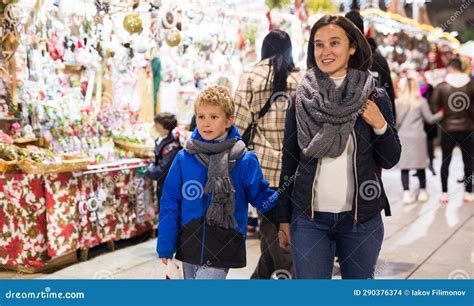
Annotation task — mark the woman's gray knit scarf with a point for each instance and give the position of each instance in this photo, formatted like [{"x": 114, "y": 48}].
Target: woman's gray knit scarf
[
  {"x": 326, "y": 115},
  {"x": 220, "y": 159}
]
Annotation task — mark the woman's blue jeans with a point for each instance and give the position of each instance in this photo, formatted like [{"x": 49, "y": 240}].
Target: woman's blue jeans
[{"x": 316, "y": 243}]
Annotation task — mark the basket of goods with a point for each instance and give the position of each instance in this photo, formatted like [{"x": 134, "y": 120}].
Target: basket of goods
[
  {"x": 24, "y": 140},
  {"x": 139, "y": 149},
  {"x": 8, "y": 158},
  {"x": 137, "y": 139},
  {"x": 39, "y": 161},
  {"x": 74, "y": 162}
]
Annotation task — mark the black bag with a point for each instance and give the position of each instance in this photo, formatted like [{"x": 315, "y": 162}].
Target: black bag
[{"x": 249, "y": 133}]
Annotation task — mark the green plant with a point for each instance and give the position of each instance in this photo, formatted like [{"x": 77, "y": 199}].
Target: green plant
[
  {"x": 250, "y": 34},
  {"x": 277, "y": 3},
  {"x": 315, "y": 6},
  {"x": 465, "y": 35}
]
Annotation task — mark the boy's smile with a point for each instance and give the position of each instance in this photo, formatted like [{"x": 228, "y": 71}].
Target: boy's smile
[{"x": 212, "y": 121}]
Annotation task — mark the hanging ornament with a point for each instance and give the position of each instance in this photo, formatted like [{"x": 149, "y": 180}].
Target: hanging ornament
[
  {"x": 102, "y": 6},
  {"x": 133, "y": 23},
  {"x": 172, "y": 37},
  {"x": 140, "y": 44},
  {"x": 155, "y": 5},
  {"x": 168, "y": 19},
  {"x": 135, "y": 4}
]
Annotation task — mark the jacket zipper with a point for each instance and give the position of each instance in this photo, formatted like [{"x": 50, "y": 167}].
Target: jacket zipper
[
  {"x": 206, "y": 199},
  {"x": 356, "y": 194},
  {"x": 313, "y": 189}
]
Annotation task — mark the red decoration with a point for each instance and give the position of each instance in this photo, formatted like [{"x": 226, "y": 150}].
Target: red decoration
[{"x": 271, "y": 25}]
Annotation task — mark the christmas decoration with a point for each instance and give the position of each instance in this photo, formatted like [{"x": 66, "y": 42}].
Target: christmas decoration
[{"x": 132, "y": 23}]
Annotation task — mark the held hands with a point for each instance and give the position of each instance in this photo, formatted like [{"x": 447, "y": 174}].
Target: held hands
[
  {"x": 372, "y": 115},
  {"x": 284, "y": 236}
]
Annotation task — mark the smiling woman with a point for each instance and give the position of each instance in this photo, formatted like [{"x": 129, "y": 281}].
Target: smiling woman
[
  {"x": 332, "y": 50},
  {"x": 339, "y": 41},
  {"x": 338, "y": 135}
]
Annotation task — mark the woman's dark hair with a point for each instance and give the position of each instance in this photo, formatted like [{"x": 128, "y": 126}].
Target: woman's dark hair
[
  {"x": 167, "y": 120},
  {"x": 362, "y": 58},
  {"x": 277, "y": 47}
]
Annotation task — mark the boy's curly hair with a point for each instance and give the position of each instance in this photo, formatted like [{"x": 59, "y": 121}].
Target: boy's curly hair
[{"x": 217, "y": 96}]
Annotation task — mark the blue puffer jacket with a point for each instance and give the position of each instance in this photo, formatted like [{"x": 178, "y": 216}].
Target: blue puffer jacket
[{"x": 182, "y": 226}]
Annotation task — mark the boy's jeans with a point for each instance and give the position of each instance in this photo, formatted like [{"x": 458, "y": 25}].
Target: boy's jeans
[
  {"x": 316, "y": 243},
  {"x": 203, "y": 272}
]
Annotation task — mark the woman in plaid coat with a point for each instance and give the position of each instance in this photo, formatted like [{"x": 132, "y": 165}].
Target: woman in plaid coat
[{"x": 273, "y": 80}]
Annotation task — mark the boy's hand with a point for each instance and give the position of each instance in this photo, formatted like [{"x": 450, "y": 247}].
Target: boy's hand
[
  {"x": 284, "y": 236},
  {"x": 165, "y": 261}
]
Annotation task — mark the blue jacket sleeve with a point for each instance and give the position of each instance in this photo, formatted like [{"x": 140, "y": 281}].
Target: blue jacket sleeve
[
  {"x": 387, "y": 147},
  {"x": 169, "y": 218},
  {"x": 257, "y": 188}
]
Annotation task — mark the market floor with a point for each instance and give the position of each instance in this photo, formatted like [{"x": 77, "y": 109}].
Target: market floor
[{"x": 422, "y": 241}]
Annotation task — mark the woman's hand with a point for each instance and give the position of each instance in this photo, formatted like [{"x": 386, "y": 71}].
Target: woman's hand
[
  {"x": 164, "y": 261},
  {"x": 373, "y": 116},
  {"x": 284, "y": 236}
]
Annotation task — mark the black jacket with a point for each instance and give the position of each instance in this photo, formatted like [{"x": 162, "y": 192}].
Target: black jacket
[
  {"x": 165, "y": 151},
  {"x": 371, "y": 153},
  {"x": 430, "y": 129}
]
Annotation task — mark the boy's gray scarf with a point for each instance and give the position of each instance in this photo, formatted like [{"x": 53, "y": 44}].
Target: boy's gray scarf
[
  {"x": 326, "y": 115},
  {"x": 220, "y": 159}
]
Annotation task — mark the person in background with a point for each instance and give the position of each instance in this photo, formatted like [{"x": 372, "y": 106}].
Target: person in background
[
  {"x": 205, "y": 198},
  {"x": 379, "y": 66},
  {"x": 166, "y": 148},
  {"x": 456, "y": 96},
  {"x": 263, "y": 96},
  {"x": 413, "y": 111}
]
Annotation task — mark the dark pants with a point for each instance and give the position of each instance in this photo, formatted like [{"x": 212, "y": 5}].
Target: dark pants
[
  {"x": 272, "y": 257},
  {"x": 315, "y": 244},
  {"x": 448, "y": 142},
  {"x": 431, "y": 156},
  {"x": 406, "y": 179}
]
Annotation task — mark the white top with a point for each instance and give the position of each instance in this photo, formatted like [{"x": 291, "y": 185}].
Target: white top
[{"x": 334, "y": 181}]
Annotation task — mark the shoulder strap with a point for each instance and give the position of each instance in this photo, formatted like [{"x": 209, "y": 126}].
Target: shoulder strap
[
  {"x": 249, "y": 132},
  {"x": 266, "y": 107}
]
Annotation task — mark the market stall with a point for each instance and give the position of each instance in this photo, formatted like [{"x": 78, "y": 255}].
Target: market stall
[
  {"x": 71, "y": 156},
  {"x": 80, "y": 85},
  {"x": 408, "y": 44}
]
